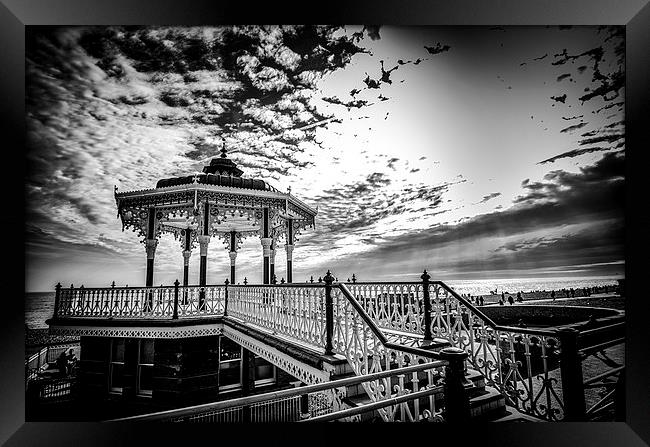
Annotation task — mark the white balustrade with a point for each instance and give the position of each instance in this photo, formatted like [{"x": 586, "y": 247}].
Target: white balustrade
[
  {"x": 297, "y": 312},
  {"x": 394, "y": 306},
  {"x": 201, "y": 301}
]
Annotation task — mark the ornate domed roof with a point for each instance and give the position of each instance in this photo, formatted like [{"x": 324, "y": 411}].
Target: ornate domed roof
[
  {"x": 221, "y": 172},
  {"x": 223, "y": 166}
]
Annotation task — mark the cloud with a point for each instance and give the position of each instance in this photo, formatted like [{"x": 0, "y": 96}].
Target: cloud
[
  {"x": 128, "y": 106},
  {"x": 589, "y": 202},
  {"x": 490, "y": 196}
]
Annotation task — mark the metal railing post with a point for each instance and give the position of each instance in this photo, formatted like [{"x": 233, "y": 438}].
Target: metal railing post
[
  {"x": 304, "y": 407},
  {"x": 571, "y": 375},
  {"x": 175, "y": 316},
  {"x": 57, "y": 298},
  {"x": 456, "y": 397},
  {"x": 427, "y": 306},
  {"x": 329, "y": 314}
]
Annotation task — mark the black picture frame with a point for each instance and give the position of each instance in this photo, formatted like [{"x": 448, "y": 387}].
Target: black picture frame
[{"x": 16, "y": 14}]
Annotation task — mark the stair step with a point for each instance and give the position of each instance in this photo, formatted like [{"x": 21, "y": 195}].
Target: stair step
[
  {"x": 488, "y": 405},
  {"x": 477, "y": 379},
  {"x": 514, "y": 415}
]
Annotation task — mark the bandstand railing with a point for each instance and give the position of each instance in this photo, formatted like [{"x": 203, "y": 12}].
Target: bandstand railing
[
  {"x": 164, "y": 302},
  {"x": 538, "y": 370},
  {"x": 296, "y": 311},
  {"x": 328, "y": 316}
]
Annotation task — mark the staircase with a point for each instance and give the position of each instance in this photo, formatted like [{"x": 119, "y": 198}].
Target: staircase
[{"x": 487, "y": 404}]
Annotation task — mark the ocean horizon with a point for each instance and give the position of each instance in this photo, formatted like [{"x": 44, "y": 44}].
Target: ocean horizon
[{"x": 39, "y": 306}]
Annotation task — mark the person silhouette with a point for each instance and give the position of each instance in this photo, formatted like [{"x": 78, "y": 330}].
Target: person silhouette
[
  {"x": 62, "y": 364},
  {"x": 71, "y": 361}
]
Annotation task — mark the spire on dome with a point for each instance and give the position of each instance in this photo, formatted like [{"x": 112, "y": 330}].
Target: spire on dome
[{"x": 223, "y": 165}]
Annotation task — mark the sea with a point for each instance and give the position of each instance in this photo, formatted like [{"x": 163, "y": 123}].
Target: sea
[{"x": 39, "y": 306}]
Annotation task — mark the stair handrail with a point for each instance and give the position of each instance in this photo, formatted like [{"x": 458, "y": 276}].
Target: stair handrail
[
  {"x": 378, "y": 333},
  {"x": 464, "y": 301},
  {"x": 274, "y": 395}
]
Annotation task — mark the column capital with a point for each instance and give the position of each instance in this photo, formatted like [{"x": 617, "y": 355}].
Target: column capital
[
  {"x": 233, "y": 256},
  {"x": 266, "y": 245},
  {"x": 289, "y": 248},
  {"x": 186, "y": 256},
  {"x": 204, "y": 240},
  {"x": 150, "y": 246}
]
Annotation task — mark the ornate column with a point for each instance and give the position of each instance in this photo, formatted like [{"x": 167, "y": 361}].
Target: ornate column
[
  {"x": 233, "y": 255},
  {"x": 266, "y": 253},
  {"x": 272, "y": 261},
  {"x": 289, "y": 247},
  {"x": 187, "y": 252},
  {"x": 186, "y": 266},
  {"x": 203, "y": 244},
  {"x": 204, "y": 240},
  {"x": 266, "y": 247},
  {"x": 150, "y": 245}
]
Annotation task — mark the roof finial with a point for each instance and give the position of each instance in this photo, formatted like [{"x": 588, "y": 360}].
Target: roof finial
[{"x": 223, "y": 150}]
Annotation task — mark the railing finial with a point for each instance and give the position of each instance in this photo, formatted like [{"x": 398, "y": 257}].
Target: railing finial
[{"x": 425, "y": 276}]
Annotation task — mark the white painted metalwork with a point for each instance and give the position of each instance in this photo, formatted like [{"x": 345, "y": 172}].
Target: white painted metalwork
[
  {"x": 398, "y": 306},
  {"x": 305, "y": 403},
  {"x": 367, "y": 353},
  {"x": 201, "y": 301},
  {"x": 290, "y": 310},
  {"x": 118, "y": 302},
  {"x": 522, "y": 363}
]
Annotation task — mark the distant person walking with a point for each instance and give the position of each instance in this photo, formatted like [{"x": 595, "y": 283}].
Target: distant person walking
[
  {"x": 511, "y": 300},
  {"x": 553, "y": 295},
  {"x": 519, "y": 298},
  {"x": 482, "y": 301}
]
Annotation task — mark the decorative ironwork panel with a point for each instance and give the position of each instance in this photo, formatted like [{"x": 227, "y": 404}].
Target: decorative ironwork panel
[
  {"x": 201, "y": 301},
  {"x": 522, "y": 364},
  {"x": 392, "y": 306},
  {"x": 279, "y": 410},
  {"x": 366, "y": 353},
  {"x": 295, "y": 312},
  {"x": 119, "y": 302}
]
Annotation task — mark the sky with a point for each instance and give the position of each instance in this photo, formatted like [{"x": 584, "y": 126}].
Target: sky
[{"x": 476, "y": 152}]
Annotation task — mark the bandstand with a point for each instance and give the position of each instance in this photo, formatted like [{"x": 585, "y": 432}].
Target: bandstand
[
  {"x": 391, "y": 351},
  {"x": 217, "y": 204}
]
